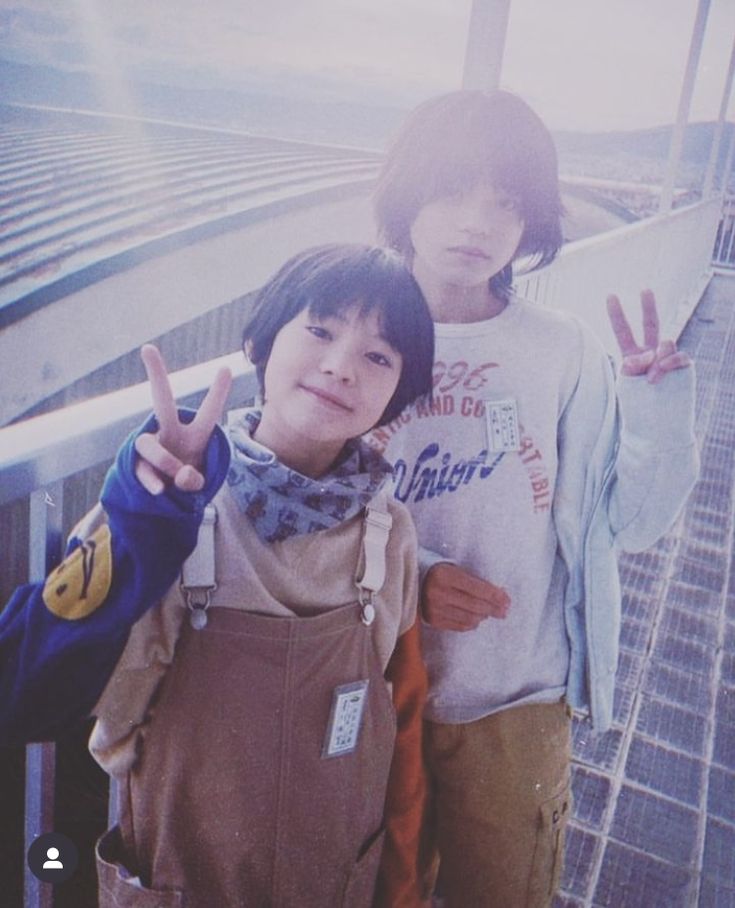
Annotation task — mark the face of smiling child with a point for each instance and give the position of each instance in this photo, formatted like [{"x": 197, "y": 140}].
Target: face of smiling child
[
  {"x": 464, "y": 239},
  {"x": 326, "y": 381}
]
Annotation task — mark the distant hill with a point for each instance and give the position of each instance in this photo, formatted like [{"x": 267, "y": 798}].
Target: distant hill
[
  {"x": 647, "y": 143},
  {"x": 359, "y": 125},
  {"x": 362, "y": 125}
]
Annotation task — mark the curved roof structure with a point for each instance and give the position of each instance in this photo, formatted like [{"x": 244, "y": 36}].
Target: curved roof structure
[
  {"x": 135, "y": 227},
  {"x": 82, "y": 197}
]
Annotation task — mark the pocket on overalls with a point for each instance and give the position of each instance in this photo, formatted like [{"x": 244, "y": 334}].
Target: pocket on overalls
[
  {"x": 118, "y": 885},
  {"x": 361, "y": 881},
  {"x": 548, "y": 857}
]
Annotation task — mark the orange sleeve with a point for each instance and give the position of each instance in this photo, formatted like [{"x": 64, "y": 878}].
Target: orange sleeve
[{"x": 399, "y": 883}]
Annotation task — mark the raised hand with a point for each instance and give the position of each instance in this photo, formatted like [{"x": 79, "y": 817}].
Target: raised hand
[
  {"x": 655, "y": 358},
  {"x": 175, "y": 453},
  {"x": 454, "y": 600}
]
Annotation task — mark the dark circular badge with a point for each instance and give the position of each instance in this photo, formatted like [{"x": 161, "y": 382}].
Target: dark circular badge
[{"x": 53, "y": 857}]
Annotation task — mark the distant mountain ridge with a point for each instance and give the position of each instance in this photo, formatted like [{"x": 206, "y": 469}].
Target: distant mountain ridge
[
  {"x": 362, "y": 125},
  {"x": 648, "y": 143}
]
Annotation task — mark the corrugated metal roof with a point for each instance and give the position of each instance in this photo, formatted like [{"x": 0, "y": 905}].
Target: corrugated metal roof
[{"x": 73, "y": 198}]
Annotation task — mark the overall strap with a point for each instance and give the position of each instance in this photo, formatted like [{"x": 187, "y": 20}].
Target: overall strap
[
  {"x": 370, "y": 575},
  {"x": 198, "y": 580}
]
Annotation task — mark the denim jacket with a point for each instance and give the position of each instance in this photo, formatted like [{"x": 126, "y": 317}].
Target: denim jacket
[{"x": 628, "y": 461}]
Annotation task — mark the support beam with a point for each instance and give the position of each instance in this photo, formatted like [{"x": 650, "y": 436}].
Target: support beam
[
  {"x": 485, "y": 44},
  {"x": 709, "y": 176},
  {"x": 728, "y": 167},
  {"x": 685, "y": 100}
]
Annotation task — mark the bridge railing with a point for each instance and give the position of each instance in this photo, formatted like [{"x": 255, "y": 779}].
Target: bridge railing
[
  {"x": 37, "y": 457},
  {"x": 723, "y": 257},
  {"x": 670, "y": 254}
]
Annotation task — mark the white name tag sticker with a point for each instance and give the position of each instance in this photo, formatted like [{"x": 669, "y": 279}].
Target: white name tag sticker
[
  {"x": 503, "y": 433},
  {"x": 345, "y": 717}
]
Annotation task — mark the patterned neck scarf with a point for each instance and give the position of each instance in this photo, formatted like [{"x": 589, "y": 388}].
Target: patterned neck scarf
[{"x": 279, "y": 501}]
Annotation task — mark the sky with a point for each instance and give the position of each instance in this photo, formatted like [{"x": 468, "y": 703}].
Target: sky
[{"x": 590, "y": 65}]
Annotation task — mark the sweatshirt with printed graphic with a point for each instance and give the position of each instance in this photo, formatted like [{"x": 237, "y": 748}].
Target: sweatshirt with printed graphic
[{"x": 532, "y": 467}]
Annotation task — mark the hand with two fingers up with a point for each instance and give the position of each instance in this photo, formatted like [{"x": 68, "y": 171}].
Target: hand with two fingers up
[
  {"x": 174, "y": 455},
  {"x": 656, "y": 357}
]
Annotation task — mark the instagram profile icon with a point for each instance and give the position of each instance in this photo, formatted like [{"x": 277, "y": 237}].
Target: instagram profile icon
[{"x": 53, "y": 857}]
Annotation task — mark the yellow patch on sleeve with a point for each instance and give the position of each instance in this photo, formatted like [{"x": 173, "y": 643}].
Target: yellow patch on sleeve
[{"x": 80, "y": 584}]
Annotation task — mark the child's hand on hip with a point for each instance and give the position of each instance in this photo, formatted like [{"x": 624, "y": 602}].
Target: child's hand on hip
[
  {"x": 175, "y": 453},
  {"x": 655, "y": 358},
  {"x": 454, "y": 600}
]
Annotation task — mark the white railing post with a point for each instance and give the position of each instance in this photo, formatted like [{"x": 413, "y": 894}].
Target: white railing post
[
  {"x": 728, "y": 255},
  {"x": 728, "y": 170},
  {"x": 485, "y": 44},
  {"x": 714, "y": 154},
  {"x": 685, "y": 98},
  {"x": 45, "y": 547}
]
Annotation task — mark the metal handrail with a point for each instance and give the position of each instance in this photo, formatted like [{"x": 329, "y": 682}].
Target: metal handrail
[
  {"x": 35, "y": 457},
  {"x": 48, "y": 448}
]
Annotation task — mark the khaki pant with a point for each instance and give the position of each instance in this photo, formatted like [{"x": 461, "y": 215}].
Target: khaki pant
[{"x": 501, "y": 801}]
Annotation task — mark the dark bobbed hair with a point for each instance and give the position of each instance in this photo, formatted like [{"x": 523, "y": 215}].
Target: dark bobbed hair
[
  {"x": 329, "y": 280},
  {"x": 452, "y": 142}
]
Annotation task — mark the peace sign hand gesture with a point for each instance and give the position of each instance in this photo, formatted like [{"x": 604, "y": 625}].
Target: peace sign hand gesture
[
  {"x": 655, "y": 358},
  {"x": 175, "y": 454}
]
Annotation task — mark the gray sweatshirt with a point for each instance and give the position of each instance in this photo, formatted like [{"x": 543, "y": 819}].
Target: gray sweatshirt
[{"x": 519, "y": 472}]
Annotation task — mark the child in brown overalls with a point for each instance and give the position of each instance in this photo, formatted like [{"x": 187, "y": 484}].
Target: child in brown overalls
[{"x": 264, "y": 719}]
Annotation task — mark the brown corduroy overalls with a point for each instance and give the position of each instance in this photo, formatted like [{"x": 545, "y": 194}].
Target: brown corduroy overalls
[{"x": 234, "y": 799}]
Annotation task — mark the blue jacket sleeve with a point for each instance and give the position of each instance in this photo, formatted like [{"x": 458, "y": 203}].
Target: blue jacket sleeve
[{"x": 61, "y": 639}]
